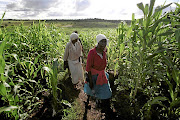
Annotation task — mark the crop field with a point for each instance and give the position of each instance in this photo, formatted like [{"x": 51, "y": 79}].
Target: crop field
[{"x": 143, "y": 55}]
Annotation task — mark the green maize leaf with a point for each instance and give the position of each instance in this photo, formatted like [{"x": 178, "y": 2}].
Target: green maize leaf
[
  {"x": 148, "y": 20},
  {"x": 35, "y": 73},
  {"x": 160, "y": 99},
  {"x": 141, "y": 7},
  {"x": 2, "y": 62},
  {"x": 32, "y": 81},
  {"x": 154, "y": 26},
  {"x": 32, "y": 70},
  {"x": 28, "y": 64},
  {"x": 2, "y": 65},
  {"x": 23, "y": 64},
  {"x": 175, "y": 103},
  {"x": 2, "y": 77},
  {"x": 26, "y": 45},
  {"x": 168, "y": 32},
  {"x": 122, "y": 46},
  {"x": 30, "y": 93},
  {"x": 36, "y": 59},
  {"x": 157, "y": 14},
  {"x": 170, "y": 87},
  {"x": 167, "y": 61},
  {"x": 161, "y": 50},
  {"x": 3, "y": 15},
  {"x": 161, "y": 8},
  {"x": 65, "y": 102},
  {"x": 2, "y": 109},
  {"x": 10, "y": 97},
  {"x": 3, "y": 90},
  {"x": 151, "y": 41},
  {"x": 47, "y": 69},
  {"x": 140, "y": 22},
  {"x": 11, "y": 83},
  {"x": 16, "y": 88},
  {"x": 55, "y": 63},
  {"x": 15, "y": 56},
  {"x": 2, "y": 46},
  {"x": 146, "y": 9},
  {"x": 28, "y": 83},
  {"x": 115, "y": 67},
  {"x": 2, "y": 18},
  {"x": 133, "y": 17},
  {"x": 168, "y": 26},
  {"x": 6, "y": 84},
  {"x": 42, "y": 71},
  {"x": 177, "y": 34},
  {"x": 157, "y": 100},
  {"x": 15, "y": 45},
  {"x": 175, "y": 76},
  {"x": 151, "y": 7}
]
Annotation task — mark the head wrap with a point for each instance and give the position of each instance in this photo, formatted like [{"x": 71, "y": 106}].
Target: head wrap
[
  {"x": 100, "y": 37},
  {"x": 74, "y": 36}
]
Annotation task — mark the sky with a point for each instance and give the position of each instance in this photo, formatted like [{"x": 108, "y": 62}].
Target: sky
[{"x": 76, "y": 9}]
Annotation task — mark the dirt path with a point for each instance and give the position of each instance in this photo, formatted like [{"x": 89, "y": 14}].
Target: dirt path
[{"x": 89, "y": 114}]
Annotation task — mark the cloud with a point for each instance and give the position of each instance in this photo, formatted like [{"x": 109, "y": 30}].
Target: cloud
[
  {"x": 32, "y": 5},
  {"x": 39, "y": 4},
  {"x": 74, "y": 9},
  {"x": 82, "y": 5},
  {"x": 12, "y": 6},
  {"x": 31, "y": 8}
]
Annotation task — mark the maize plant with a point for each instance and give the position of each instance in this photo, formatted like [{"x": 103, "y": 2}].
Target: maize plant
[{"x": 151, "y": 60}]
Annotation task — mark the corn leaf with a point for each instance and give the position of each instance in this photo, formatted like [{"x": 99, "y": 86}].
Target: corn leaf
[
  {"x": 161, "y": 8},
  {"x": 3, "y": 90},
  {"x": 157, "y": 100},
  {"x": 168, "y": 32},
  {"x": 175, "y": 103},
  {"x": 2, "y": 109},
  {"x": 141, "y": 7},
  {"x": 152, "y": 2}
]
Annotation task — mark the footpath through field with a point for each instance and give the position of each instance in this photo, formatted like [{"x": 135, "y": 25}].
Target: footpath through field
[{"x": 89, "y": 114}]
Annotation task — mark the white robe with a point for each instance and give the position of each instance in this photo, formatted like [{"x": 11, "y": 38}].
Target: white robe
[{"x": 72, "y": 54}]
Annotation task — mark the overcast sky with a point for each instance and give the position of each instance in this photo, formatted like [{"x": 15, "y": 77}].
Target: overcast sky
[{"x": 75, "y": 9}]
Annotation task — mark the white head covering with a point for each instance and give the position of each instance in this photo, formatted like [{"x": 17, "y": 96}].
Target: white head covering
[
  {"x": 100, "y": 37},
  {"x": 74, "y": 36}
]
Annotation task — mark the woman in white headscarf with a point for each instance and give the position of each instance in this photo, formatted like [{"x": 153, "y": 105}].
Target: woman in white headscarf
[
  {"x": 97, "y": 81},
  {"x": 72, "y": 54}
]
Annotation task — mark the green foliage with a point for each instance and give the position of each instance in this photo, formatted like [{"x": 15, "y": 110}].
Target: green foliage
[
  {"x": 25, "y": 51},
  {"x": 150, "y": 59},
  {"x": 73, "y": 111}
]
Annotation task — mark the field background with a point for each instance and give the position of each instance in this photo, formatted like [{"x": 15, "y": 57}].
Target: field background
[{"x": 81, "y": 23}]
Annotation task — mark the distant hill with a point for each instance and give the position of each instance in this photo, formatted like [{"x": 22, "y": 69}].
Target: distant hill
[{"x": 78, "y": 23}]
